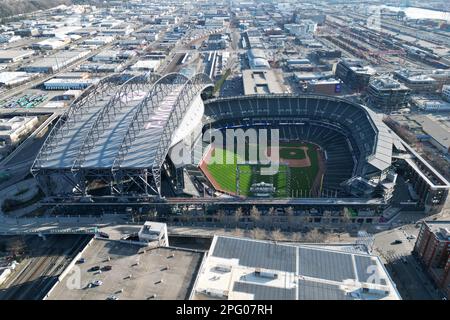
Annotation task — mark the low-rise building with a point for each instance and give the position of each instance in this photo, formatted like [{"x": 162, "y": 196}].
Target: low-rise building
[
  {"x": 68, "y": 84},
  {"x": 146, "y": 65},
  {"x": 14, "y": 130},
  {"x": 257, "y": 59},
  {"x": 418, "y": 82},
  {"x": 247, "y": 269},
  {"x": 10, "y": 79},
  {"x": 8, "y": 56},
  {"x": 52, "y": 63},
  {"x": 260, "y": 82}
]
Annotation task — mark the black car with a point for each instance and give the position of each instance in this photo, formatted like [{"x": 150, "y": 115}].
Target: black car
[
  {"x": 397, "y": 241},
  {"x": 106, "y": 268},
  {"x": 95, "y": 268},
  {"x": 103, "y": 235}
]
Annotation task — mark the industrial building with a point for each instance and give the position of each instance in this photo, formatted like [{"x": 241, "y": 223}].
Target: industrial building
[
  {"x": 99, "y": 41},
  {"x": 93, "y": 67},
  {"x": 146, "y": 65},
  {"x": 246, "y": 269},
  {"x": 257, "y": 59},
  {"x": 436, "y": 134},
  {"x": 106, "y": 56},
  {"x": 432, "y": 248},
  {"x": 260, "y": 82},
  {"x": 68, "y": 84},
  {"x": 54, "y": 62},
  {"x": 10, "y": 79},
  {"x": 417, "y": 81},
  {"x": 8, "y": 56},
  {"x": 299, "y": 65},
  {"x": 13, "y": 130},
  {"x": 387, "y": 94},
  {"x": 51, "y": 44},
  {"x": 354, "y": 73}
]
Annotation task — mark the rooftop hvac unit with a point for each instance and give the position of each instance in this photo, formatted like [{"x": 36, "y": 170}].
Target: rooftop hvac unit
[
  {"x": 265, "y": 274},
  {"x": 217, "y": 293},
  {"x": 223, "y": 268}
]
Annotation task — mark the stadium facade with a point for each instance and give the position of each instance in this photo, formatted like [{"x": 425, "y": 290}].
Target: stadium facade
[{"x": 114, "y": 141}]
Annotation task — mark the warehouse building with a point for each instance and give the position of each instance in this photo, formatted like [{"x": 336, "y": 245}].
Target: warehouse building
[
  {"x": 437, "y": 135},
  {"x": 247, "y": 269},
  {"x": 432, "y": 248},
  {"x": 52, "y": 63},
  {"x": 51, "y": 44},
  {"x": 99, "y": 41},
  {"x": 10, "y": 79},
  {"x": 68, "y": 84},
  {"x": 146, "y": 65},
  {"x": 8, "y": 56},
  {"x": 257, "y": 59},
  {"x": 93, "y": 67},
  {"x": 13, "y": 130},
  {"x": 106, "y": 56}
]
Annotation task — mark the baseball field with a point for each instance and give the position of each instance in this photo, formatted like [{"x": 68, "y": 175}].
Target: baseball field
[{"x": 300, "y": 170}]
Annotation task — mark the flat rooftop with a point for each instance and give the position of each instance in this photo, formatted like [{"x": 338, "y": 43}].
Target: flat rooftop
[
  {"x": 240, "y": 268},
  {"x": 163, "y": 273},
  {"x": 260, "y": 82}
]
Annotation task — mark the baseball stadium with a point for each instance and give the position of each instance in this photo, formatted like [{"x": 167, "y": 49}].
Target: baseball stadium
[{"x": 115, "y": 145}]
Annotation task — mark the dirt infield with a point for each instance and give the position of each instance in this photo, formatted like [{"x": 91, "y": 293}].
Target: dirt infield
[{"x": 293, "y": 163}]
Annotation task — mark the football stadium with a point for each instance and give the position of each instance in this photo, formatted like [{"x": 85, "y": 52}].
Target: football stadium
[{"x": 116, "y": 143}]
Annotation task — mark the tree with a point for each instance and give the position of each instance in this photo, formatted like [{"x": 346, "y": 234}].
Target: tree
[
  {"x": 255, "y": 214},
  {"x": 297, "y": 237},
  {"x": 238, "y": 214},
  {"x": 258, "y": 233},
  {"x": 346, "y": 216},
  {"x": 290, "y": 215},
  {"x": 220, "y": 214},
  {"x": 238, "y": 232},
  {"x": 277, "y": 235},
  {"x": 314, "y": 236}
]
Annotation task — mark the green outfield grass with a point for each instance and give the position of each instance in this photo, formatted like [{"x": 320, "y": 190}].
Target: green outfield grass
[{"x": 301, "y": 179}]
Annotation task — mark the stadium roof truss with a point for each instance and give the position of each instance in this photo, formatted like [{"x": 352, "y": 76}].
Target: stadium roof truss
[{"x": 117, "y": 133}]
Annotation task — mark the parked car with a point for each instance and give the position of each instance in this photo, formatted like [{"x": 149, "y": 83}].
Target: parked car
[
  {"x": 81, "y": 260},
  {"x": 397, "y": 241},
  {"x": 94, "y": 268},
  {"x": 106, "y": 268},
  {"x": 97, "y": 283}
]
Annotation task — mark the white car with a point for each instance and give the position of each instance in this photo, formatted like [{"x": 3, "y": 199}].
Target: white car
[{"x": 97, "y": 283}]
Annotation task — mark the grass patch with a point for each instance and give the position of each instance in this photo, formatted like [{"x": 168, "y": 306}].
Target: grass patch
[{"x": 301, "y": 179}]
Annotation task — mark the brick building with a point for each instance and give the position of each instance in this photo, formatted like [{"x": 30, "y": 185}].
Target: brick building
[{"x": 432, "y": 249}]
